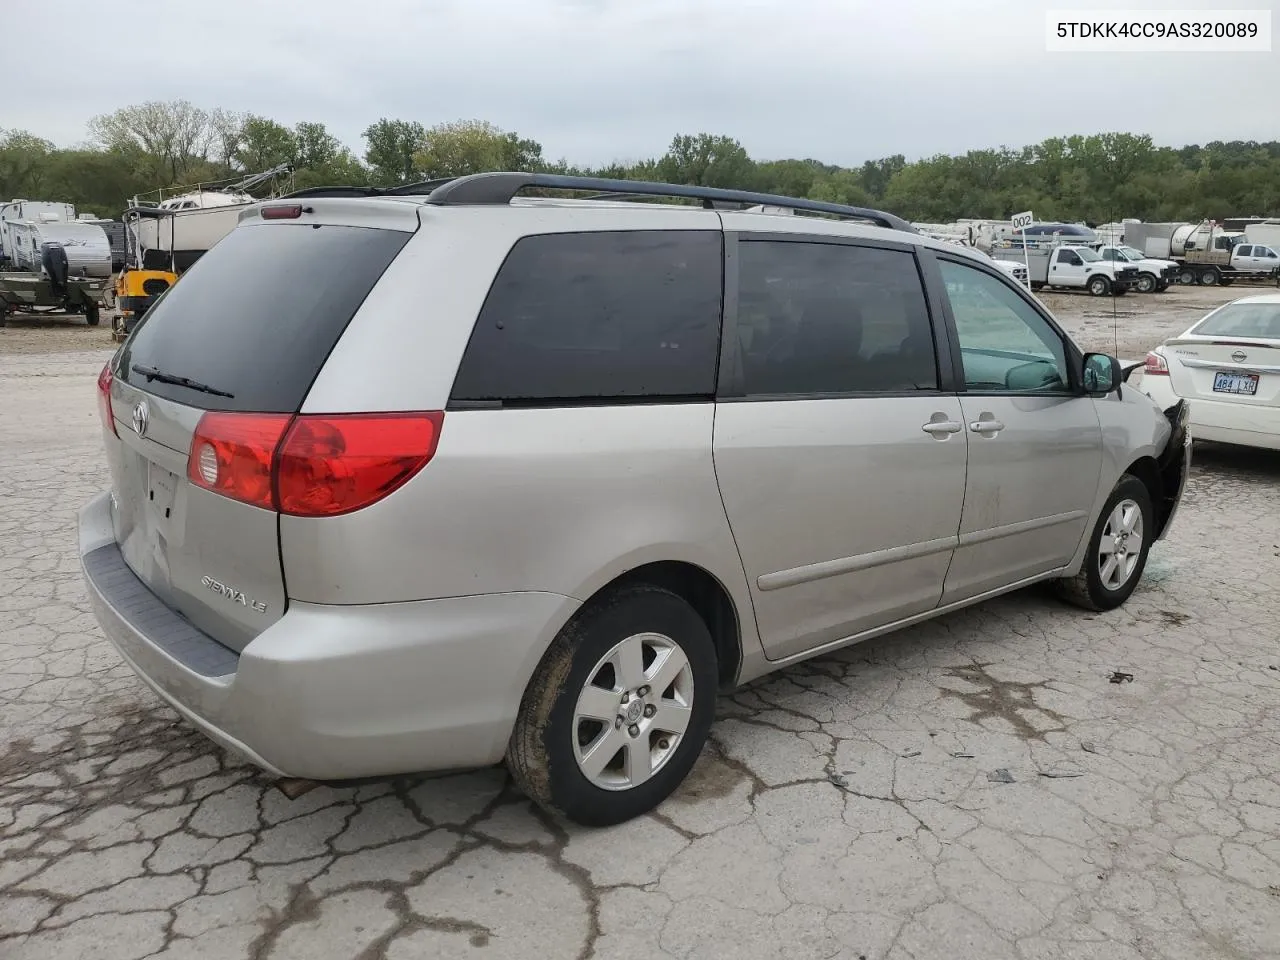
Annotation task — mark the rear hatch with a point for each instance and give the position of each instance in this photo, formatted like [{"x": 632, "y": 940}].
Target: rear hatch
[{"x": 226, "y": 358}]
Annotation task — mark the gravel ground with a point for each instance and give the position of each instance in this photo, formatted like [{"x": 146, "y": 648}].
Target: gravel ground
[{"x": 846, "y": 808}]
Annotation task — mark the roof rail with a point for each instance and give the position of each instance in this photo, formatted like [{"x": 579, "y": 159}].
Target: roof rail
[
  {"x": 501, "y": 188},
  {"x": 335, "y": 191},
  {"x": 408, "y": 189}
]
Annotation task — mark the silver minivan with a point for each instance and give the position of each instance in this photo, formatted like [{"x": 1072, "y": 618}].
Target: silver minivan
[{"x": 437, "y": 477}]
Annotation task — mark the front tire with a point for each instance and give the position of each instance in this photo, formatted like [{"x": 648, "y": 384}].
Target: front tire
[
  {"x": 619, "y": 708},
  {"x": 1147, "y": 283},
  {"x": 1099, "y": 286},
  {"x": 1117, "y": 552}
]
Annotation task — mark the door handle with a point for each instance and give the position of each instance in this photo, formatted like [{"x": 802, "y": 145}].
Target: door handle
[
  {"x": 941, "y": 427},
  {"x": 986, "y": 426}
]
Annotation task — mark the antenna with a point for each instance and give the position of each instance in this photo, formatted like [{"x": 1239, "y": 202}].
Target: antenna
[{"x": 1115, "y": 318}]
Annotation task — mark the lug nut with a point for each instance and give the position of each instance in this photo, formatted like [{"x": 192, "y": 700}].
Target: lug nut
[
  {"x": 625, "y": 696},
  {"x": 664, "y": 743},
  {"x": 650, "y": 710},
  {"x": 642, "y": 692},
  {"x": 633, "y": 730},
  {"x": 617, "y": 722}
]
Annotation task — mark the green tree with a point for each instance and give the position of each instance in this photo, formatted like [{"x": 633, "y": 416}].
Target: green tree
[
  {"x": 264, "y": 144},
  {"x": 391, "y": 148},
  {"x": 707, "y": 160},
  {"x": 172, "y": 135},
  {"x": 464, "y": 147},
  {"x": 24, "y": 160}
]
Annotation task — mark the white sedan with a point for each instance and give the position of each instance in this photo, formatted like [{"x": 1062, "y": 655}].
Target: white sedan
[{"x": 1227, "y": 366}]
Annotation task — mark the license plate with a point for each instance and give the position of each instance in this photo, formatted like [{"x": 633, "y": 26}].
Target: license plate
[
  {"x": 1239, "y": 383},
  {"x": 161, "y": 489}
]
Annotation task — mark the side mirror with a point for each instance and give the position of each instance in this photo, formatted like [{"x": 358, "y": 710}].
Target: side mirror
[{"x": 1101, "y": 374}]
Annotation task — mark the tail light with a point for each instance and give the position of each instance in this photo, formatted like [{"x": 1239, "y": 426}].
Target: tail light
[
  {"x": 233, "y": 454},
  {"x": 1156, "y": 365},
  {"x": 311, "y": 465},
  {"x": 105, "y": 379}
]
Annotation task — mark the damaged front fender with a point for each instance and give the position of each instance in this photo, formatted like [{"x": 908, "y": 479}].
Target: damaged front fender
[{"x": 1175, "y": 467}]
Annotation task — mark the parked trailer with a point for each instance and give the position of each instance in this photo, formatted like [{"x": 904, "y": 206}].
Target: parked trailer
[
  {"x": 56, "y": 266},
  {"x": 114, "y": 229},
  {"x": 37, "y": 211},
  {"x": 1070, "y": 266},
  {"x": 85, "y": 245},
  {"x": 38, "y": 295},
  {"x": 1205, "y": 252}
]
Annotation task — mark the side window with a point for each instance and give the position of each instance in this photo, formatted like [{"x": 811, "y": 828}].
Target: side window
[
  {"x": 1110, "y": 254},
  {"x": 1005, "y": 345},
  {"x": 1245, "y": 251},
  {"x": 1264, "y": 252},
  {"x": 599, "y": 316},
  {"x": 1070, "y": 257},
  {"x": 831, "y": 318}
]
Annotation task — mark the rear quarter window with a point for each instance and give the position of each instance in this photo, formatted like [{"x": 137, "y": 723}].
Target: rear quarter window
[
  {"x": 599, "y": 317},
  {"x": 259, "y": 314}
]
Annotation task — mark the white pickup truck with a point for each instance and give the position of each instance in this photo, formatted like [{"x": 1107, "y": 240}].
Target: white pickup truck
[
  {"x": 1154, "y": 276},
  {"x": 1070, "y": 266}
]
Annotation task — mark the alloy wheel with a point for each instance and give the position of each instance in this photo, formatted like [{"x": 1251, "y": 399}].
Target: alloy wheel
[
  {"x": 632, "y": 712},
  {"x": 1120, "y": 547}
]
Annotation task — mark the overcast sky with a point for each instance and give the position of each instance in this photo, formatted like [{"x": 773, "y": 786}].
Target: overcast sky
[{"x": 601, "y": 80}]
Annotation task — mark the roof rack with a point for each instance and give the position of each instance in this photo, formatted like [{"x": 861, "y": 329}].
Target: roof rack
[{"x": 501, "y": 188}]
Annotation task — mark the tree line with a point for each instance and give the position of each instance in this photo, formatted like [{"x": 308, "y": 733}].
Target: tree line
[{"x": 1095, "y": 178}]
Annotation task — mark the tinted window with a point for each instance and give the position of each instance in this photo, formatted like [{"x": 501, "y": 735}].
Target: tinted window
[
  {"x": 1245, "y": 251},
  {"x": 1242, "y": 320},
  {"x": 599, "y": 316},
  {"x": 1264, "y": 252},
  {"x": 258, "y": 315},
  {"x": 1005, "y": 345},
  {"x": 1071, "y": 257},
  {"x": 830, "y": 318}
]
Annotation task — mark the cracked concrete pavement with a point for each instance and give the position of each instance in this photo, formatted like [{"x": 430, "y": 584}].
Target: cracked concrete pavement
[{"x": 846, "y": 808}]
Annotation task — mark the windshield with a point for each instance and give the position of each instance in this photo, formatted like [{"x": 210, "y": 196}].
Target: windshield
[
  {"x": 1087, "y": 255},
  {"x": 1131, "y": 253},
  {"x": 1254, "y": 320}
]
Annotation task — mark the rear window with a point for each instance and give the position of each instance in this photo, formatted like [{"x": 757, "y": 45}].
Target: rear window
[
  {"x": 599, "y": 317},
  {"x": 258, "y": 315},
  {"x": 1260, "y": 320}
]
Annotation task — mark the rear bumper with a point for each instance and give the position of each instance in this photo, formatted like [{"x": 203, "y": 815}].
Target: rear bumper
[
  {"x": 334, "y": 692},
  {"x": 1222, "y": 422}
]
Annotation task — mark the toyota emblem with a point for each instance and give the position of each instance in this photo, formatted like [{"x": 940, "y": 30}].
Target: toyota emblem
[
  {"x": 141, "y": 418},
  {"x": 1239, "y": 356}
]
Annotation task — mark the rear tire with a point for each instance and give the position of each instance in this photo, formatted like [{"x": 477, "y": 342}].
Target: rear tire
[
  {"x": 1112, "y": 566},
  {"x": 1186, "y": 276},
  {"x": 606, "y": 771},
  {"x": 1209, "y": 278},
  {"x": 92, "y": 316}
]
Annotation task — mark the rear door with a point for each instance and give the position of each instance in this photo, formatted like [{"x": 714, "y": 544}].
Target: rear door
[
  {"x": 839, "y": 452},
  {"x": 1035, "y": 442},
  {"x": 245, "y": 331}
]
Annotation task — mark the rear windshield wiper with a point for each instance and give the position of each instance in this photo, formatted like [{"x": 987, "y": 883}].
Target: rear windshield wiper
[{"x": 151, "y": 373}]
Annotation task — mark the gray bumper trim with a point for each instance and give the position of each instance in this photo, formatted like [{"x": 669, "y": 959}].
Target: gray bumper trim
[{"x": 162, "y": 626}]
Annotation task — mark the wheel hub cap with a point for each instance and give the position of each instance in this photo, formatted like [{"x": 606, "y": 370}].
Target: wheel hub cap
[{"x": 635, "y": 710}]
